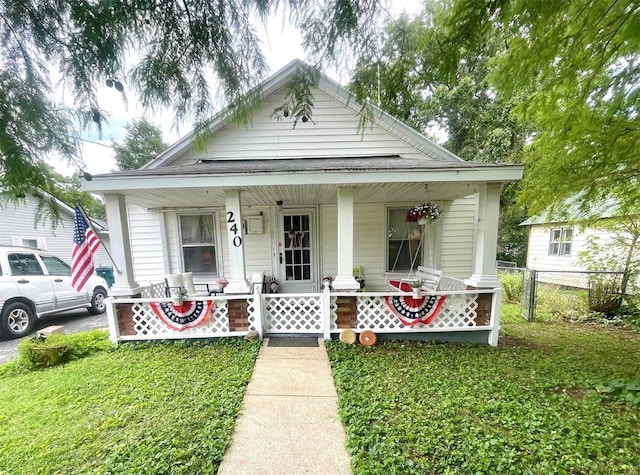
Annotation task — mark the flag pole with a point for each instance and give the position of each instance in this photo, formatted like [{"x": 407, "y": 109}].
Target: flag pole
[{"x": 84, "y": 213}]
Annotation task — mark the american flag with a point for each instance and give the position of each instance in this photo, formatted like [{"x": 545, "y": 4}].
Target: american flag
[{"x": 85, "y": 243}]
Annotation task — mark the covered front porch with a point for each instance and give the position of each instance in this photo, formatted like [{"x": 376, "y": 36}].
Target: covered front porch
[
  {"x": 339, "y": 228},
  {"x": 471, "y": 315}
]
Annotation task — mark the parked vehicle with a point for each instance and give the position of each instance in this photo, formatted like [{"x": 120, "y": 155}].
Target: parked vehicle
[{"x": 35, "y": 284}]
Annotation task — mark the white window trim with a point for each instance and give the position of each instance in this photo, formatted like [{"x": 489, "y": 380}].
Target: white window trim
[
  {"x": 20, "y": 241},
  {"x": 217, "y": 242},
  {"x": 391, "y": 269},
  {"x": 563, "y": 240}
]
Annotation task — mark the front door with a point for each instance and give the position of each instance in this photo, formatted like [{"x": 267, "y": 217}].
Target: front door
[{"x": 296, "y": 253}]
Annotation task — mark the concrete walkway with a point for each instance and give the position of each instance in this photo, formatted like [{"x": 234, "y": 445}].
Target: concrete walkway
[{"x": 289, "y": 422}]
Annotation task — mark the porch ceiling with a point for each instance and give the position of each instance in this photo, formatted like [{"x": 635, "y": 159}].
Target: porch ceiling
[{"x": 298, "y": 195}]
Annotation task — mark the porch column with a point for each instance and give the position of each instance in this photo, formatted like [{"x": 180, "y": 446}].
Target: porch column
[
  {"x": 120, "y": 243},
  {"x": 233, "y": 221},
  {"x": 345, "y": 279},
  {"x": 486, "y": 243}
]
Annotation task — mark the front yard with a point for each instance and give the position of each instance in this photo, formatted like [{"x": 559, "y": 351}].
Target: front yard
[
  {"x": 527, "y": 406},
  {"x": 141, "y": 409}
]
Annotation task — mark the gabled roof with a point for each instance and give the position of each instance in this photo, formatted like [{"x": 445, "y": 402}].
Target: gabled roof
[{"x": 277, "y": 82}]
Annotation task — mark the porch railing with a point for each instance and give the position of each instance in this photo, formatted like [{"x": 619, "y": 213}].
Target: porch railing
[{"x": 310, "y": 313}]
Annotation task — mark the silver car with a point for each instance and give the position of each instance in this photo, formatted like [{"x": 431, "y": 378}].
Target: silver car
[{"x": 34, "y": 284}]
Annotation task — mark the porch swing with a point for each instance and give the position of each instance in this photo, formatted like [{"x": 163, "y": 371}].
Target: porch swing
[{"x": 430, "y": 277}]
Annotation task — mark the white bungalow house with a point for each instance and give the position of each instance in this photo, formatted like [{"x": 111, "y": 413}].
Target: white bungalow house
[
  {"x": 18, "y": 228},
  {"x": 298, "y": 205}
]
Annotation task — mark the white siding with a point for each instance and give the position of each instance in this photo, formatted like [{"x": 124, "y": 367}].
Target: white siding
[
  {"x": 257, "y": 247},
  {"x": 333, "y": 133},
  {"x": 328, "y": 233},
  {"x": 18, "y": 220},
  {"x": 538, "y": 248},
  {"x": 146, "y": 244},
  {"x": 458, "y": 228}
]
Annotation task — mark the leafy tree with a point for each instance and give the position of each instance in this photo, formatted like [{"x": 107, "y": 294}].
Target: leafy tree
[
  {"x": 578, "y": 65},
  {"x": 620, "y": 254},
  {"x": 66, "y": 189},
  {"x": 410, "y": 79},
  {"x": 182, "y": 48},
  {"x": 425, "y": 84},
  {"x": 142, "y": 142},
  {"x": 69, "y": 190}
]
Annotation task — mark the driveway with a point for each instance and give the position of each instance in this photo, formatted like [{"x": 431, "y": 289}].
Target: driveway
[{"x": 72, "y": 321}]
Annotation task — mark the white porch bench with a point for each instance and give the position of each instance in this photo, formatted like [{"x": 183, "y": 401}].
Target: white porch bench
[{"x": 430, "y": 278}]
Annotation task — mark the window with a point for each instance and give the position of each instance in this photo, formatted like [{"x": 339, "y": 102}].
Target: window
[
  {"x": 29, "y": 241},
  {"x": 560, "y": 241},
  {"x": 197, "y": 234},
  {"x": 403, "y": 242},
  {"x": 24, "y": 264},
  {"x": 55, "y": 266},
  {"x": 32, "y": 243}
]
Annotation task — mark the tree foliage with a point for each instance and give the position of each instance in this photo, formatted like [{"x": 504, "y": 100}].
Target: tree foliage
[
  {"x": 428, "y": 84},
  {"x": 142, "y": 143},
  {"x": 411, "y": 78},
  {"x": 578, "y": 65},
  {"x": 180, "y": 52}
]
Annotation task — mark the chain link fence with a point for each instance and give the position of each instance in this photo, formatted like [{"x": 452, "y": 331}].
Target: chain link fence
[{"x": 547, "y": 295}]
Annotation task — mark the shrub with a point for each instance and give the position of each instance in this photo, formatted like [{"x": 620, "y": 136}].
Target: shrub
[
  {"x": 555, "y": 303},
  {"x": 511, "y": 285},
  {"x": 57, "y": 349},
  {"x": 604, "y": 296}
]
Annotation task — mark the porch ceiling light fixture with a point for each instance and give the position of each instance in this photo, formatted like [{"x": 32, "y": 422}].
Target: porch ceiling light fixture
[{"x": 279, "y": 204}]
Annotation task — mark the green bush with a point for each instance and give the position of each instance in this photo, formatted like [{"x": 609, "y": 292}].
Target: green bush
[
  {"x": 58, "y": 348},
  {"x": 557, "y": 303},
  {"x": 605, "y": 296},
  {"x": 512, "y": 286}
]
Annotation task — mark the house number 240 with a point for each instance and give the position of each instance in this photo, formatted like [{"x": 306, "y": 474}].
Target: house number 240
[{"x": 233, "y": 228}]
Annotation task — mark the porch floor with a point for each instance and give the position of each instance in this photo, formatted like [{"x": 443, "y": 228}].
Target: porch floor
[{"x": 289, "y": 421}]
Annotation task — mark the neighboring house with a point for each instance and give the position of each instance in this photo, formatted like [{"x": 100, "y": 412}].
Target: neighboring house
[
  {"x": 18, "y": 228},
  {"x": 299, "y": 204},
  {"x": 555, "y": 244}
]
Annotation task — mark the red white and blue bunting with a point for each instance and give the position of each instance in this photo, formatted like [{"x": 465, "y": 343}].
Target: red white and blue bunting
[
  {"x": 189, "y": 314},
  {"x": 411, "y": 311}
]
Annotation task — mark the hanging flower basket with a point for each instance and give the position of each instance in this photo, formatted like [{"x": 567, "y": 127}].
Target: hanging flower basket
[{"x": 424, "y": 213}]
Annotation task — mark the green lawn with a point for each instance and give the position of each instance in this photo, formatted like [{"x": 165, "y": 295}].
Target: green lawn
[
  {"x": 141, "y": 409},
  {"x": 528, "y": 406}
]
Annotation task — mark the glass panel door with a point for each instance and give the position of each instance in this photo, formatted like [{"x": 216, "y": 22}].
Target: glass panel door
[{"x": 296, "y": 255}]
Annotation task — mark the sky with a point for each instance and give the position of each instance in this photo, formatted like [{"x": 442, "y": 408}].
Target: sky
[{"x": 281, "y": 45}]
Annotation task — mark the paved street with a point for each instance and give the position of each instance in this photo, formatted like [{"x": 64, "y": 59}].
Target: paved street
[{"x": 72, "y": 321}]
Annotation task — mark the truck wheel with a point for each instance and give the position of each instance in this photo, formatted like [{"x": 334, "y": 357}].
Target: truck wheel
[
  {"x": 97, "y": 302},
  {"x": 17, "y": 320}
]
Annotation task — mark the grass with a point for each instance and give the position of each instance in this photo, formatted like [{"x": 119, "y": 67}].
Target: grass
[
  {"x": 528, "y": 406},
  {"x": 143, "y": 409}
]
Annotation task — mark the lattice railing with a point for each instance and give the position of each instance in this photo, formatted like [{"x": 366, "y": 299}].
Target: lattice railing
[
  {"x": 154, "y": 291},
  {"x": 148, "y": 325},
  {"x": 458, "y": 312},
  {"x": 293, "y": 313},
  {"x": 448, "y": 284},
  {"x": 303, "y": 313}
]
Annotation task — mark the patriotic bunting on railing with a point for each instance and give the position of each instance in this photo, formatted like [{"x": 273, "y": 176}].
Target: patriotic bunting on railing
[
  {"x": 189, "y": 314},
  {"x": 411, "y": 311}
]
